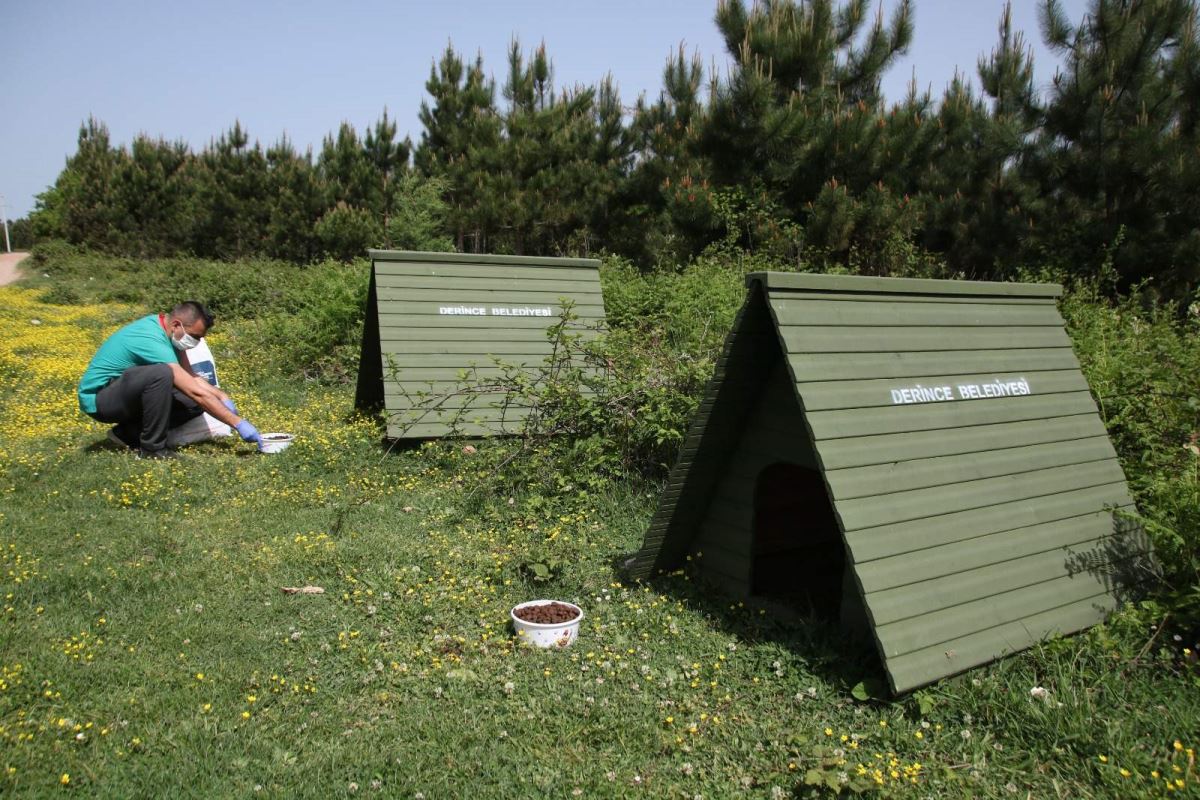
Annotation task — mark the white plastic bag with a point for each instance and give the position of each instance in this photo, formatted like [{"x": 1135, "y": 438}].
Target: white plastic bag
[{"x": 204, "y": 426}]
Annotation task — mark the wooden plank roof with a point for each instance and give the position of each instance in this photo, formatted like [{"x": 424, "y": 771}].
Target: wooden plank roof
[{"x": 969, "y": 470}]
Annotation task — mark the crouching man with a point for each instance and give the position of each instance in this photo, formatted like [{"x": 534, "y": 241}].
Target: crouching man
[{"x": 141, "y": 380}]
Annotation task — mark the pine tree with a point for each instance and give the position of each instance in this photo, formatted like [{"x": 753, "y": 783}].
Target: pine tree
[
  {"x": 388, "y": 161},
  {"x": 548, "y": 178},
  {"x": 296, "y": 203},
  {"x": 978, "y": 201},
  {"x": 1119, "y": 170},
  {"x": 667, "y": 198},
  {"x": 80, "y": 206},
  {"x": 460, "y": 146},
  {"x": 347, "y": 175},
  {"x": 231, "y": 204},
  {"x": 606, "y": 154},
  {"x": 798, "y": 126},
  {"x": 152, "y": 199}
]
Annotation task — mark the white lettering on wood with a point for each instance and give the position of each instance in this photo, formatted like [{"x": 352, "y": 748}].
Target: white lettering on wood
[
  {"x": 1009, "y": 387},
  {"x": 495, "y": 311}
]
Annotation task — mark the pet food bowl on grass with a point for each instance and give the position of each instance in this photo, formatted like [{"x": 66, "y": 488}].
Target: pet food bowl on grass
[
  {"x": 550, "y": 623},
  {"x": 276, "y": 442}
]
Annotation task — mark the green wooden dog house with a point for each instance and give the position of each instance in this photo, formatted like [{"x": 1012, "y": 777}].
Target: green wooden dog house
[
  {"x": 432, "y": 317},
  {"x": 922, "y": 458}
]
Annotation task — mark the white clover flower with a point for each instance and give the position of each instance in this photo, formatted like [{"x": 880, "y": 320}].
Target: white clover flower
[{"x": 1039, "y": 693}]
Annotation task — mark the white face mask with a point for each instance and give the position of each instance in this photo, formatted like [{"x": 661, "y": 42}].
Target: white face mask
[{"x": 185, "y": 342}]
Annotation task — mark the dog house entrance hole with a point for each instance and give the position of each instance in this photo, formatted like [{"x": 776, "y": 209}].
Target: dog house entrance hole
[{"x": 798, "y": 552}]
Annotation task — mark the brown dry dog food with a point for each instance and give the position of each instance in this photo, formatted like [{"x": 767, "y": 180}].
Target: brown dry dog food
[{"x": 547, "y": 613}]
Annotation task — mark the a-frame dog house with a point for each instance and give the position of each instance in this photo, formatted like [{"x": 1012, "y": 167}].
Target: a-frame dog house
[
  {"x": 926, "y": 452},
  {"x": 432, "y": 318}
]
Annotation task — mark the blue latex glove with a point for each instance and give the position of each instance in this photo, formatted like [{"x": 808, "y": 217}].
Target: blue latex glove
[
  {"x": 249, "y": 433},
  {"x": 229, "y": 404}
]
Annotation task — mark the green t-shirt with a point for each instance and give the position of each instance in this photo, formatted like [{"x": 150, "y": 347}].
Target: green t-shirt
[{"x": 135, "y": 345}]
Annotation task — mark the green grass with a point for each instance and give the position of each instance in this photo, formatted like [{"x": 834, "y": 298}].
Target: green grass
[{"x": 142, "y": 611}]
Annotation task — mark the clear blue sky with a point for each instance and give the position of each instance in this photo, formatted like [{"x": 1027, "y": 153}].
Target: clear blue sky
[{"x": 187, "y": 70}]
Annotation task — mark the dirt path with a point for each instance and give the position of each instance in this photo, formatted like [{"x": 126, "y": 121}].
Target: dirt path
[{"x": 8, "y": 267}]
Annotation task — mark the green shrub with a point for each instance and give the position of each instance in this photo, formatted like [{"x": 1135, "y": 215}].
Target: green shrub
[
  {"x": 314, "y": 328},
  {"x": 52, "y": 252},
  {"x": 614, "y": 407},
  {"x": 601, "y": 408},
  {"x": 418, "y": 221},
  {"x": 346, "y": 232},
  {"x": 60, "y": 295},
  {"x": 301, "y": 321},
  {"x": 689, "y": 310},
  {"x": 1143, "y": 365}
]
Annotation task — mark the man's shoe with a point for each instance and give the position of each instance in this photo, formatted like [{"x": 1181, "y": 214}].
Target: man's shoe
[
  {"x": 165, "y": 454},
  {"x": 115, "y": 439}
]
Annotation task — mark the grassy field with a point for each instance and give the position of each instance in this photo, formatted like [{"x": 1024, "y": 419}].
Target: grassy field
[{"x": 146, "y": 648}]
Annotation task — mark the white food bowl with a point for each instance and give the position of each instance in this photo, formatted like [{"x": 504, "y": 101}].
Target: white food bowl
[
  {"x": 555, "y": 634},
  {"x": 276, "y": 442}
]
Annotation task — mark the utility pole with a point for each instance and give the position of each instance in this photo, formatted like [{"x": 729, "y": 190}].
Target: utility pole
[{"x": 4, "y": 219}]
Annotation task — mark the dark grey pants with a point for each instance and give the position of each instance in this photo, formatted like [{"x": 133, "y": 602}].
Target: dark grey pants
[{"x": 144, "y": 403}]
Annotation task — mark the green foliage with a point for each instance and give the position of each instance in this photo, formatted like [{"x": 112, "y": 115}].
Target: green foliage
[
  {"x": 460, "y": 145},
  {"x": 314, "y": 328},
  {"x": 560, "y": 160},
  {"x": 231, "y": 194},
  {"x": 346, "y": 232},
  {"x": 665, "y": 215},
  {"x": 703, "y": 694},
  {"x": 1121, "y": 130},
  {"x": 21, "y": 233},
  {"x": 1143, "y": 364},
  {"x": 686, "y": 311},
  {"x": 419, "y": 216},
  {"x": 61, "y": 295},
  {"x": 52, "y": 252},
  {"x": 792, "y": 155},
  {"x": 601, "y": 407},
  {"x": 292, "y": 322},
  {"x": 297, "y": 204},
  {"x": 236, "y": 200}
]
